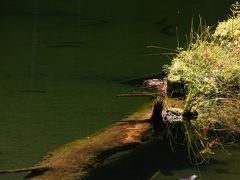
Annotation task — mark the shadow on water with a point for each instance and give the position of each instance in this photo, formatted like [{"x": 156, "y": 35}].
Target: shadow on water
[
  {"x": 166, "y": 28},
  {"x": 33, "y": 91},
  {"x": 146, "y": 162},
  {"x": 83, "y": 20},
  {"x": 139, "y": 81},
  {"x": 63, "y": 44}
]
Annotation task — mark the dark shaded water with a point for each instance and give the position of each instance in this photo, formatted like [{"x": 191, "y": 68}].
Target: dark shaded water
[
  {"x": 157, "y": 161},
  {"x": 62, "y": 63}
]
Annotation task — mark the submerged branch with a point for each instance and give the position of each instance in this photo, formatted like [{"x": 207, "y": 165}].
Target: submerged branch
[
  {"x": 29, "y": 169},
  {"x": 133, "y": 94}
]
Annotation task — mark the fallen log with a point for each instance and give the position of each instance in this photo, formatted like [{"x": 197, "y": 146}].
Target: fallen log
[{"x": 77, "y": 159}]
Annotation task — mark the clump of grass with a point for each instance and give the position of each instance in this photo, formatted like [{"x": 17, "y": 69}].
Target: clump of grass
[{"x": 209, "y": 70}]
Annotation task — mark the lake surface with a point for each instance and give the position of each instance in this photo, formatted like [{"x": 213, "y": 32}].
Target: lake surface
[{"x": 62, "y": 63}]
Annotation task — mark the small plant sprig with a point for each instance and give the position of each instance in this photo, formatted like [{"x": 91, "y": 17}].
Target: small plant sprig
[{"x": 235, "y": 9}]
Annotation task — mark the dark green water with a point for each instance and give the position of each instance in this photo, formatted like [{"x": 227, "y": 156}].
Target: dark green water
[{"x": 62, "y": 63}]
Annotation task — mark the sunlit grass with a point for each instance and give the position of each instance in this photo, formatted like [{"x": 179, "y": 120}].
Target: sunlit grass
[{"x": 209, "y": 71}]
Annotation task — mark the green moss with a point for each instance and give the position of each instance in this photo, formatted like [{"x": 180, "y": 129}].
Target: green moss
[{"x": 175, "y": 110}]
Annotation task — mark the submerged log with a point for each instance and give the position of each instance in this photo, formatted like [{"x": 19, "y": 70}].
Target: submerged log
[{"x": 77, "y": 159}]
